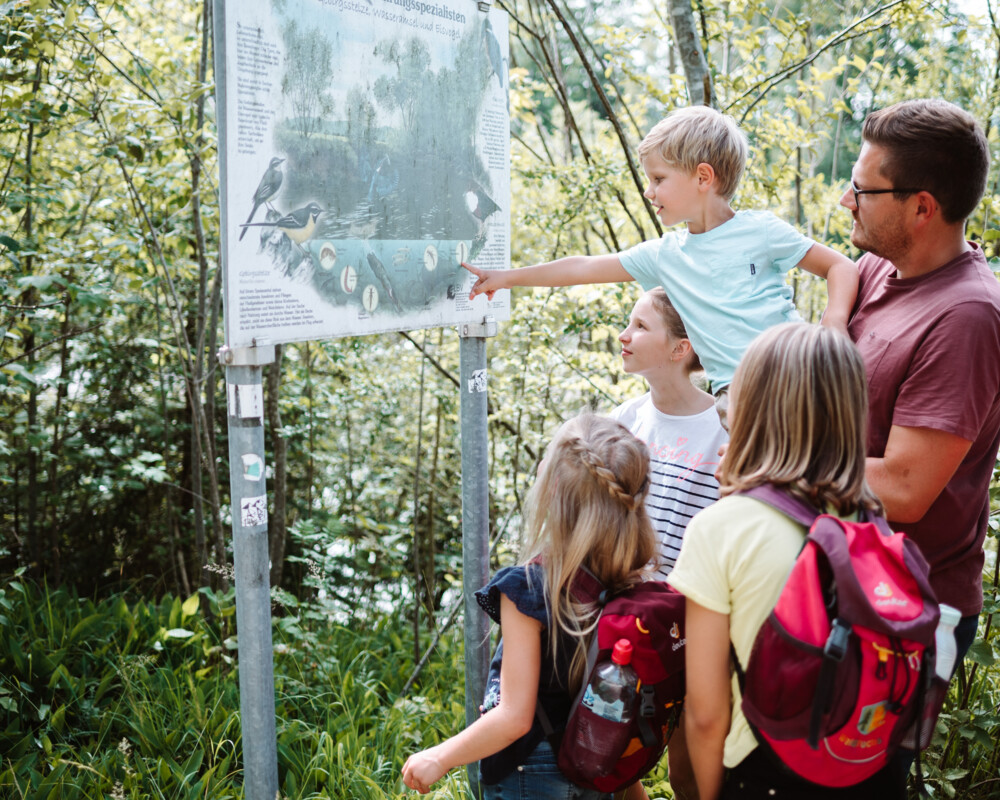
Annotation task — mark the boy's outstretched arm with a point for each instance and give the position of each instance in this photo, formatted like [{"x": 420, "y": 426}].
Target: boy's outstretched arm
[
  {"x": 569, "y": 271},
  {"x": 841, "y": 283}
]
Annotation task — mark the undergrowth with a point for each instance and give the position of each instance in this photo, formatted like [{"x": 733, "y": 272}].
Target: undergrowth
[{"x": 125, "y": 698}]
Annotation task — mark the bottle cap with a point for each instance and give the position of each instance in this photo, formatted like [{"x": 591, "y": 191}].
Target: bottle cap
[
  {"x": 622, "y": 652},
  {"x": 950, "y": 616}
]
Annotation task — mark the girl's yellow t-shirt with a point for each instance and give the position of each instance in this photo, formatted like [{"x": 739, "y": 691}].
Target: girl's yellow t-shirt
[{"x": 735, "y": 558}]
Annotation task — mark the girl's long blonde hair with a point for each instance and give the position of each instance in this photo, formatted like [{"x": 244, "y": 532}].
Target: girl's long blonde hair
[
  {"x": 587, "y": 509},
  {"x": 798, "y": 418}
]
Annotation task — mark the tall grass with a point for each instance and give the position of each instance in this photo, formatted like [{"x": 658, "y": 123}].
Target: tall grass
[{"x": 121, "y": 698}]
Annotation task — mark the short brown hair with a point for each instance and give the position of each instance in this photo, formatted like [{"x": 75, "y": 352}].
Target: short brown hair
[
  {"x": 798, "y": 416},
  {"x": 694, "y": 135},
  {"x": 935, "y": 146}
]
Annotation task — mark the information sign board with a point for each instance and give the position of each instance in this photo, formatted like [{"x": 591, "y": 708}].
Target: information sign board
[{"x": 365, "y": 155}]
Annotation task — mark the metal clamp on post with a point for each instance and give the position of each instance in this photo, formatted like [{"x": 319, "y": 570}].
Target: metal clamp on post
[
  {"x": 484, "y": 5},
  {"x": 479, "y": 330},
  {"x": 256, "y": 356}
]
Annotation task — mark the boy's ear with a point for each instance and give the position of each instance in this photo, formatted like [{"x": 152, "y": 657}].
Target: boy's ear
[{"x": 706, "y": 175}]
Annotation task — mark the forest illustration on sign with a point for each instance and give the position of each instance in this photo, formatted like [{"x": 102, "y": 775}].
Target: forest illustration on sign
[{"x": 376, "y": 200}]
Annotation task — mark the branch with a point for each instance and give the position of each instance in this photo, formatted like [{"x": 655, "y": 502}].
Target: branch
[
  {"x": 771, "y": 81},
  {"x": 36, "y": 348},
  {"x": 611, "y": 116},
  {"x": 458, "y": 384}
]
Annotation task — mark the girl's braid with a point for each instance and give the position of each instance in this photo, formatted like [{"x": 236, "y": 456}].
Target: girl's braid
[{"x": 605, "y": 476}]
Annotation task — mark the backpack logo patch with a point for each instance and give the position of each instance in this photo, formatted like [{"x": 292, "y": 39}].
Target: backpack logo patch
[
  {"x": 886, "y": 597},
  {"x": 871, "y": 718}
]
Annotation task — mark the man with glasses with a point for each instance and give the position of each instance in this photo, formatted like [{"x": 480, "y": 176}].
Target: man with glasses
[{"x": 927, "y": 322}]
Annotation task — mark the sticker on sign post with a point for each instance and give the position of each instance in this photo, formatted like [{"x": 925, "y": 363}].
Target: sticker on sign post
[
  {"x": 253, "y": 467},
  {"x": 246, "y": 400},
  {"x": 477, "y": 383},
  {"x": 253, "y": 511}
]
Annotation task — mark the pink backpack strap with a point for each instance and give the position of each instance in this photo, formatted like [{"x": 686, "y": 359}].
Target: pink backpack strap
[{"x": 799, "y": 510}]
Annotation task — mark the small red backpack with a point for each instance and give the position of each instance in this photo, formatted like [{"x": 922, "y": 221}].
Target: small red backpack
[
  {"x": 650, "y": 616},
  {"x": 843, "y": 668}
]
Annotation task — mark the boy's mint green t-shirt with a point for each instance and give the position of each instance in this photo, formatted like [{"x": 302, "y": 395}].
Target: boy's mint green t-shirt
[{"x": 728, "y": 284}]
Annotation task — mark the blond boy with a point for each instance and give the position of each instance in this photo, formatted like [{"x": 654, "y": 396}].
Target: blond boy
[{"x": 725, "y": 270}]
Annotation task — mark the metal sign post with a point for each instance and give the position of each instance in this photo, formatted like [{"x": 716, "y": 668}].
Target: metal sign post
[
  {"x": 475, "y": 516},
  {"x": 245, "y": 395},
  {"x": 341, "y": 229}
]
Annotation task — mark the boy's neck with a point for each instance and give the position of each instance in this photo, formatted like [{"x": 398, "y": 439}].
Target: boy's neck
[{"x": 713, "y": 215}]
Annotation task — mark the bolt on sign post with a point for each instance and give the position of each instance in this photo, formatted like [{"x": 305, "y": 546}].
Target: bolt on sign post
[{"x": 364, "y": 156}]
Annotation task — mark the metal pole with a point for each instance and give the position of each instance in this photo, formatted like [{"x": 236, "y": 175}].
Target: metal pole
[
  {"x": 245, "y": 394},
  {"x": 475, "y": 517}
]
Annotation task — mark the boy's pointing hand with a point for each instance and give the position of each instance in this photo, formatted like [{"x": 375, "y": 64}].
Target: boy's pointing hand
[{"x": 487, "y": 282}]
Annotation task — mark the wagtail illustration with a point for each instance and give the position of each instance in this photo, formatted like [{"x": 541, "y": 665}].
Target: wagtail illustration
[
  {"x": 266, "y": 189},
  {"x": 298, "y": 225}
]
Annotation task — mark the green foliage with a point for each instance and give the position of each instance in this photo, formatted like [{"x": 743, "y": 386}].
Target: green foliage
[
  {"x": 111, "y": 409},
  {"x": 114, "y": 699},
  {"x": 125, "y": 699}
]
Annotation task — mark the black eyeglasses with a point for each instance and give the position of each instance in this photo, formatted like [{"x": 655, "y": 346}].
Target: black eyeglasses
[{"x": 858, "y": 192}]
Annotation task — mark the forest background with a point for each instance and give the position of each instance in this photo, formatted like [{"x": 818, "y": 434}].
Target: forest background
[{"x": 118, "y": 673}]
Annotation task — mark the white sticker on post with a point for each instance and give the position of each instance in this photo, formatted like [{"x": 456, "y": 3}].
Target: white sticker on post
[
  {"x": 246, "y": 400},
  {"x": 253, "y": 467},
  {"x": 253, "y": 511},
  {"x": 477, "y": 383}
]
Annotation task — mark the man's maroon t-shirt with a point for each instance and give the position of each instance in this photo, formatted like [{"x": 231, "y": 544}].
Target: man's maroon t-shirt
[{"x": 931, "y": 347}]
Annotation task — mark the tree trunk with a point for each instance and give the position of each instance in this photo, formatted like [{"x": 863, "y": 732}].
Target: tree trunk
[
  {"x": 38, "y": 555},
  {"x": 277, "y": 529},
  {"x": 699, "y": 81},
  {"x": 55, "y": 450}
]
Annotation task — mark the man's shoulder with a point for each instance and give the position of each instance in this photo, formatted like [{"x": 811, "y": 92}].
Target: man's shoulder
[{"x": 970, "y": 288}]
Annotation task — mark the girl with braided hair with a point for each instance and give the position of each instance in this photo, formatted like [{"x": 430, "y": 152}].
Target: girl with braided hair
[{"x": 585, "y": 510}]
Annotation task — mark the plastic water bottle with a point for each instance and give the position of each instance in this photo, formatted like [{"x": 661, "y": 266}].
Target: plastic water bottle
[
  {"x": 610, "y": 699},
  {"x": 944, "y": 641},
  {"x": 937, "y": 689}
]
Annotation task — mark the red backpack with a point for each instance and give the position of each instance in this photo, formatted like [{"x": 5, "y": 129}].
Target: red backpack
[
  {"x": 840, "y": 671},
  {"x": 651, "y": 617}
]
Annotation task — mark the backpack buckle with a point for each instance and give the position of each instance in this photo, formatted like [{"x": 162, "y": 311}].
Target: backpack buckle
[
  {"x": 647, "y": 702},
  {"x": 836, "y": 643}
]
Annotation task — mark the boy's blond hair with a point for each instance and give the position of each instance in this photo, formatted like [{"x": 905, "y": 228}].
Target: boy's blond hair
[{"x": 690, "y": 136}]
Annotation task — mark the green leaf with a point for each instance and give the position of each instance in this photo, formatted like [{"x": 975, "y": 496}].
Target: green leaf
[
  {"x": 981, "y": 653},
  {"x": 40, "y": 282},
  {"x": 190, "y": 606}
]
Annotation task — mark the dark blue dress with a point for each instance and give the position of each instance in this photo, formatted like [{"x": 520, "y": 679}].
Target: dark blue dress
[{"x": 553, "y": 695}]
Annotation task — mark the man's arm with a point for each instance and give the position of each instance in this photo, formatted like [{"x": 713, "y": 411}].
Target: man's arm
[
  {"x": 913, "y": 471},
  {"x": 569, "y": 271},
  {"x": 841, "y": 276}
]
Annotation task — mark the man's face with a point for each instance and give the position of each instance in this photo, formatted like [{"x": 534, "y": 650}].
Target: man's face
[{"x": 879, "y": 221}]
